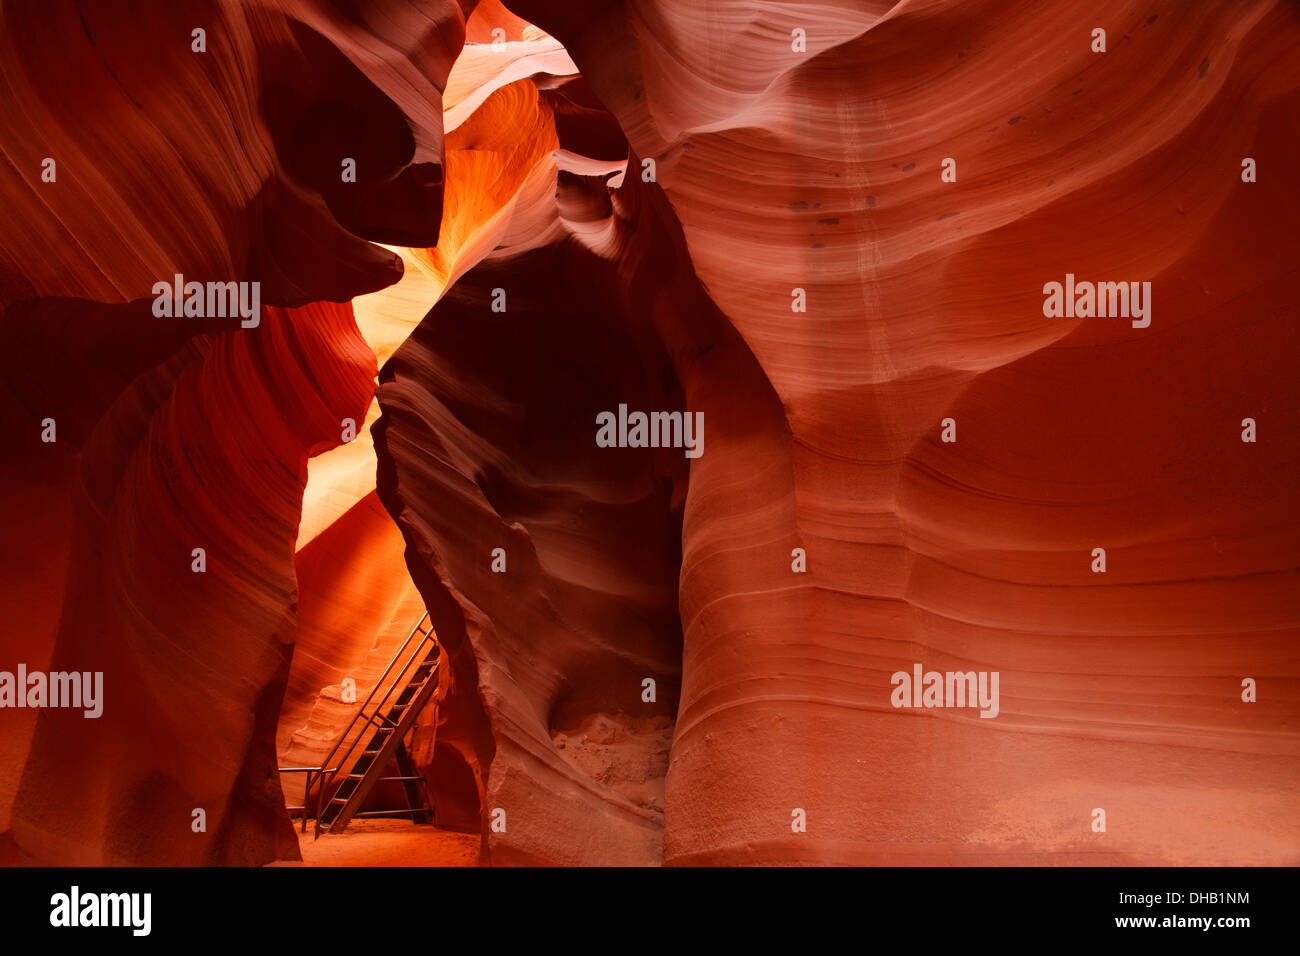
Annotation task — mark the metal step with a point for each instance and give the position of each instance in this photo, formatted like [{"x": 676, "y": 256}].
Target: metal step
[{"x": 384, "y": 725}]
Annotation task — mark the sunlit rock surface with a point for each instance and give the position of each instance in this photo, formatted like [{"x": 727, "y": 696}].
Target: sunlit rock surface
[{"x": 797, "y": 270}]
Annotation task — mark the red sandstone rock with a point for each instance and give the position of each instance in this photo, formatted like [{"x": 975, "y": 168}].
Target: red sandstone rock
[
  {"x": 173, "y": 433},
  {"x": 822, "y": 172},
  {"x": 776, "y": 169}
]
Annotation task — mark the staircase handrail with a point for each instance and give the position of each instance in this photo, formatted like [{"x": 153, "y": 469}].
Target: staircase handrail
[{"x": 325, "y": 777}]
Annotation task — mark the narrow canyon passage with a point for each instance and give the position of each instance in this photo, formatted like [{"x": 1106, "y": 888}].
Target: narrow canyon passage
[{"x": 492, "y": 241}]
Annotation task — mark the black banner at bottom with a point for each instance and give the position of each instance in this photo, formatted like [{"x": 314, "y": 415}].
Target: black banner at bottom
[{"x": 313, "y": 906}]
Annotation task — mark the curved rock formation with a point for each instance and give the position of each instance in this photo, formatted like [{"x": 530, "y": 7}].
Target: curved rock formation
[
  {"x": 175, "y": 434},
  {"x": 825, "y": 227},
  {"x": 810, "y": 170}
]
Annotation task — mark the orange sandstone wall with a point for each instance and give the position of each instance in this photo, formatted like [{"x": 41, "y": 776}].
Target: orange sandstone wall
[
  {"x": 821, "y": 171},
  {"x": 174, "y": 433},
  {"x": 827, "y": 228}
]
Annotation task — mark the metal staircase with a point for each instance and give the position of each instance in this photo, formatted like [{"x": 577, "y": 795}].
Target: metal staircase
[{"x": 374, "y": 738}]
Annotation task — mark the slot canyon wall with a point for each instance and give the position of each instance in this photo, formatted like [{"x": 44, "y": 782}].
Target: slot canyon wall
[{"x": 740, "y": 209}]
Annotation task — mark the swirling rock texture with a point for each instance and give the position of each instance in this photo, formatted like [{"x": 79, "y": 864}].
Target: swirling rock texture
[
  {"x": 734, "y": 208},
  {"x": 181, "y": 434}
]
